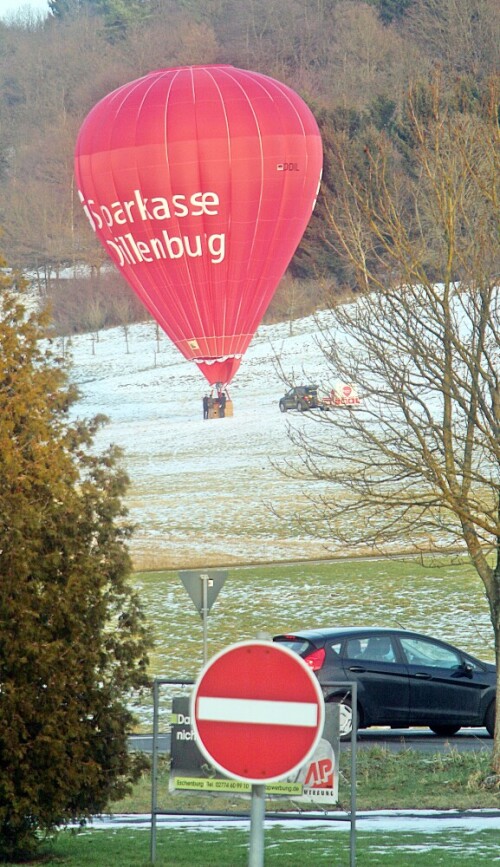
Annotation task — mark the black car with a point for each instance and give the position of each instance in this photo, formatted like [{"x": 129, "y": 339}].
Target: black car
[
  {"x": 403, "y": 678},
  {"x": 301, "y": 397}
]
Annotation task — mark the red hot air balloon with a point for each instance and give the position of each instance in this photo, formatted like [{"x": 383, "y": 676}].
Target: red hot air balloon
[{"x": 199, "y": 182}]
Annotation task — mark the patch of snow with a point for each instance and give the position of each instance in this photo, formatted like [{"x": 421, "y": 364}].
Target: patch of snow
[
  {"x": 202, "y": 491},
  {"x": 421, "y": 821}
]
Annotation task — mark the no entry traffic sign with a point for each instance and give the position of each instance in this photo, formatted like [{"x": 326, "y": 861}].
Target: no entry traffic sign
[{"x": 257, "y": 711}]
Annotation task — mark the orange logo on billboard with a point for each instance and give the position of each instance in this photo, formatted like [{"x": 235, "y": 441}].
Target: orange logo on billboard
[{"x": 320, "y": 774}]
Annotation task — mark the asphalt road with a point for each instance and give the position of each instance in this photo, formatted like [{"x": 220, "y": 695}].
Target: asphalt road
[{"x": 422, "y": 740}]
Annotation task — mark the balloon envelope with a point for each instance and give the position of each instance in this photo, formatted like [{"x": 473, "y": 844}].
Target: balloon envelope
[{"x": 199, "y": 182}]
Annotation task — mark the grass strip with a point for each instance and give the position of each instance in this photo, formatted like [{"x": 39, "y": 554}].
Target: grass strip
[
  {"x": 406, "y": 780},
  {"x": 284, "y": 847}
]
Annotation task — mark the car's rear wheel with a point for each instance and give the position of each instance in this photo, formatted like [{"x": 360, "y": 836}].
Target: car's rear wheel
[
  {"x": 300, "y": 406},
  {"x": 345, "y": 719},
  {"x": 489, "y": 719},
  {"x": 445, "y": 731}
]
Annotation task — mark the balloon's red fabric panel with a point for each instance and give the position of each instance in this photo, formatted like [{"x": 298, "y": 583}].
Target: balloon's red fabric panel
[{"x": 199, "y": 182}]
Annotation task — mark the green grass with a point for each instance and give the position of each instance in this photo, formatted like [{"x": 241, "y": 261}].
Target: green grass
[
  {"x": 438, "y": 596},
  {"x": 406, "y": 780},
  {"x": 284, "y": 847},
  {"x": 449, "y": 780}
]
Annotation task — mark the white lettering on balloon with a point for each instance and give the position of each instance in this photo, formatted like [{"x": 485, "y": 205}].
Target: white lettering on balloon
[{"x": 128, "y": 250}]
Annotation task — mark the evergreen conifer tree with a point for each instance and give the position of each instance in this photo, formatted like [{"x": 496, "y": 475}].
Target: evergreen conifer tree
[{"x": 72, "y": 636}]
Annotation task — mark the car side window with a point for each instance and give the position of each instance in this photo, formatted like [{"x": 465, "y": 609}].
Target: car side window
[
  {"x": 376, "y": 649},
  {"x": 354, "y": 647},
  {"x": 379, "y": 649},
  {"x": 335, "y": 649},
  {"x": 420, "y": 652}
]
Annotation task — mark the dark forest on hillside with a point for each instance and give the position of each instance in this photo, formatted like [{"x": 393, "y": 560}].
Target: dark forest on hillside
[{"x": 352, "y": 61}]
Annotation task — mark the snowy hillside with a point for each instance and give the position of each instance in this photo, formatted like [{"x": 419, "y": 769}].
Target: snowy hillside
[{"x": 202, "y": 492}]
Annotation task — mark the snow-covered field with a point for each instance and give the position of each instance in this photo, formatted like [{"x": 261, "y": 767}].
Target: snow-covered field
[{"x": 202, "y": 492}]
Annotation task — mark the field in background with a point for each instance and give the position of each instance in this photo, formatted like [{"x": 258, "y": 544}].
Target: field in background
[
  {"x": 207, "y": 493},
  {"x": 204, "y": 492},
  {"x": 439, "y": 597}
]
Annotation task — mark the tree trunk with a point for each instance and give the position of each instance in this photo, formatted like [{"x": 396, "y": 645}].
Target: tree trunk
[{"x": 495, "y": 617}]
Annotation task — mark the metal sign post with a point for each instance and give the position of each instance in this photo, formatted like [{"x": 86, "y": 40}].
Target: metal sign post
[
  {"x": 239, "y": 718},
  {"x": 204, "y": 613},
  {"x": 154, "y": 771},
  {"x": 189, "y": 766},
  {"x": 203, "y": 588},
  {"x": 257, "y": 815}
]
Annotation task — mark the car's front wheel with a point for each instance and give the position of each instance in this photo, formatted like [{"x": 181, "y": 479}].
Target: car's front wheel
[
  {"x": 445, "y": 731},
  {"x": 345, "y": 717},
  {"x": 282, "y": 406},
  {"x": 489, "y": 719}
]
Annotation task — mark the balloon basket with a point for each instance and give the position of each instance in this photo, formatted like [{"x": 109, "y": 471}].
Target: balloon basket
[{"x": 214, "y": 410}]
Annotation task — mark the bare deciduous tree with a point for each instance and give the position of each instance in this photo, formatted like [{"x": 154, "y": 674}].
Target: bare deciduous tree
[
  {"x": 419, "y": 462},
  {"x": 461, "y": 35},
  {"x": 294, "y": 299}
]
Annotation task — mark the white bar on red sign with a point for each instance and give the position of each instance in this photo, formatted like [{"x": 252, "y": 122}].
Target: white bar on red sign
[{"x": 243, "y": 710}]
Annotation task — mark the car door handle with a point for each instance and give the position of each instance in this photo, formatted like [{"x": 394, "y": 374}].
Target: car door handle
[
  {"x": 423, "y": 675},
  {"x": 356, "y": 668}
]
